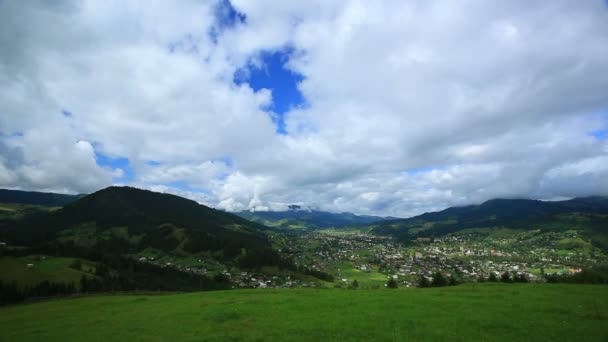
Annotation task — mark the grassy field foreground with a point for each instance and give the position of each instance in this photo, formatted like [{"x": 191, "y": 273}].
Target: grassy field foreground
[{"x": 468, "y": 312}]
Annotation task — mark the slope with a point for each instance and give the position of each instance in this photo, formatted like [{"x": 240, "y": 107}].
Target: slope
[
  {"x": 588, "y": 214},
  {"x": 482, "y": 312},
  {"x": 124, "y": 217}
]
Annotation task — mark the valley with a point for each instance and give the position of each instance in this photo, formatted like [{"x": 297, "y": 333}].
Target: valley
[
  {"x": 372, "y": 259},
  {"x": 166, "y": 232},
  {"x": 245, "y": 170},
  {"x": 466, "y": 257},
  {"x": 125, "y": 250}
]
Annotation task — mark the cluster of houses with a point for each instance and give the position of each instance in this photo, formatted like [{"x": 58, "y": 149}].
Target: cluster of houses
[
  {"x": 468, "y": 257},
  {"x": 237, "y": 278},
  {"x": 249, "y": 280}
]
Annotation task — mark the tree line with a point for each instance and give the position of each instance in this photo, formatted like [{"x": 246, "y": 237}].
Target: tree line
[
  {"x": 128, "y": 277},
  {"x": 592, "y": 275},
  {"x": 11, "y": 293}
]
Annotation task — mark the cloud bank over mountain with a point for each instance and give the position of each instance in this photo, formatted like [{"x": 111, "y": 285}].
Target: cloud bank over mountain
[{"x": 402, "y": 106}]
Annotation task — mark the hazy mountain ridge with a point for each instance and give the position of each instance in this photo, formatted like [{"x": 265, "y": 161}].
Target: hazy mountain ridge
[
  {"x": 37, "y": 198},
  {"x": 144, "y": 218},
  {"x": 310, "y": 219}
]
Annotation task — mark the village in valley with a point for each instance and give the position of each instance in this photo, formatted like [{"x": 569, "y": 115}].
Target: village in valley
[{"x": 370, "y": 261}]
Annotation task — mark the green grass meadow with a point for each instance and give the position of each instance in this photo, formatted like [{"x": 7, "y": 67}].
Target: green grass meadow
[
  {"x": 54, "y": 269},
  {"x": 482, "y": 312},
  {"x": 371, "y": 279}
]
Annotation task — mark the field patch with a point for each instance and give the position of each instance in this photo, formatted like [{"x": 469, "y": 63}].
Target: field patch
[{"x": 27, "y": 271}]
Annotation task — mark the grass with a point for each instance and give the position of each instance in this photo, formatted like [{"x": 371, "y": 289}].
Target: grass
[
  {"x": 54, "y": 269},
  {"x": 365, "y": 279},
  {"x": 486, "y": 312},
  {"x": 12, "y": 211},
  {"x": 574, "y": 243}
]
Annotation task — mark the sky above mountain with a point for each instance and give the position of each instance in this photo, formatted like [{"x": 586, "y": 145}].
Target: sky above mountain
[{"x": 373, "y": 107}]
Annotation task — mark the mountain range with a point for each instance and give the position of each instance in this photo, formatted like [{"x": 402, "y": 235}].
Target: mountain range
[
  {"x": 308, "y": 219},
  {"x": 36, "y": 198},
  {"x": 134, "y": 219},
  {"x": 589, "y": 214},
  {"x": 139, "y": 219}
]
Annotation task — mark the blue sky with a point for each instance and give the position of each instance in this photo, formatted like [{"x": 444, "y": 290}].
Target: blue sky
[
  {"x": 397, "y": 118},
  {"x": 226, "y": 17},
  {"x": 413, "y": 172},
  {"x": 269, "y": 72},
  {"x": 601, "y": 134},
  {"x": 274, "y": 75},
  {"x": 116, "y": 163}
]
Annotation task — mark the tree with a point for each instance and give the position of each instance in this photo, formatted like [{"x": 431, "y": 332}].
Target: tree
[
  {"x": 552, "y": 278},
  {"x": 84, "y": 284},
  {"x": 452, "y": 281},
  {"x": 439, "y": 280},
  {"x": 423, "y": 282},
  {"x": 392, "y": 284},
  {"x": 76, "y": 264},
  {"x": 481, "y": 279},
  {"x": 101, "y": 270},
  {"x": 506, "y": 277},
  {"x": 355, "y": 284},
  {"x": 492, "y": 277}
]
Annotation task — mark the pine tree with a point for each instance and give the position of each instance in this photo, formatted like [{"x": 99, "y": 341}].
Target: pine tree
[
  {"x": 505, "y": 277},
  {"x": 423, "y": 282},
  {"x": 439, "y": 280}
]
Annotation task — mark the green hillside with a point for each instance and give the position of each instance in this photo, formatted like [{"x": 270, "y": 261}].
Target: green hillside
[
  {"x": 133, "y": 239},
  {"x": 589, "y": 215},
  {"x": 31, "y": 270},
  {"x": 488, "y": 312},
  {"x": 12, "y": 213},
  {"x": 130, "y": 219}
]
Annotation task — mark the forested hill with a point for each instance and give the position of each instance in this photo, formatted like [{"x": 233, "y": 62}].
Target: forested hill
[
  {"x": 36, "y": 198},
  {"x": 589, "y": 214},
  {"x": 310, "y": 219},
  {"x": 143, "y": 219}
]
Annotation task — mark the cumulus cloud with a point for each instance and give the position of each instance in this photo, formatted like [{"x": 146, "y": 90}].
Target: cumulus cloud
[{"x": 410, "y": 105}]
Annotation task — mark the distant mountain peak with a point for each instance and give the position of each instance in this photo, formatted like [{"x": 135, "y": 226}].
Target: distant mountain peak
[
  {"x": 143, "y": 213},
  {"x": 308, "y": 218},
  {"x": 36, "y": 198}
]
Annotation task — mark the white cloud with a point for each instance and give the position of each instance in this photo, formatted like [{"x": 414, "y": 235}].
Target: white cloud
[{"x": 491, "y": 99}]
